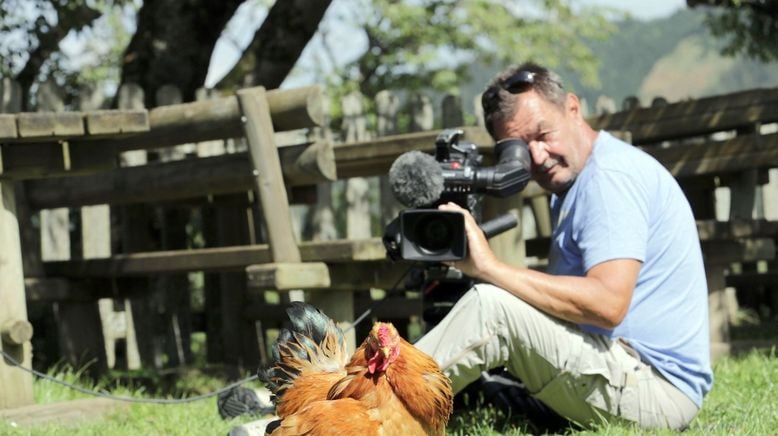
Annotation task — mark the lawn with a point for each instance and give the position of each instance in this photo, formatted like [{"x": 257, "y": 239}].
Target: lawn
[{"x": 743, "y": 401}]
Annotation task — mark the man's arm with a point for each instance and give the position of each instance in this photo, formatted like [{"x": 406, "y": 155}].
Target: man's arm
[{"x": 601, "y": 298}]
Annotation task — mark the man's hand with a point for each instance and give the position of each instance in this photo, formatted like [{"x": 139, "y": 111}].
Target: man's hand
[
  {"x": 601, "y": 298},
  {"x": 480, "y": 256}
]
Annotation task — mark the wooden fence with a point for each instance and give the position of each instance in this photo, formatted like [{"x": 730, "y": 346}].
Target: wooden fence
[{"x": 113, "y": 252}]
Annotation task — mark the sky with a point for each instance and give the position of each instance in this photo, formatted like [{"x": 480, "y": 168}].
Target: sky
[{"x": 250, "y": 16}]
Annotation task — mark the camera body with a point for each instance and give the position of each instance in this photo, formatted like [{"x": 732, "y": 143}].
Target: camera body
[{"x": 424, "y": 233}]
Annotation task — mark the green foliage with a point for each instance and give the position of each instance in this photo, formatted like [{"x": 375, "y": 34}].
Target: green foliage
[
  {"x": 748, "y": 28},
  {"x": 74, "y": 43},
  {"x": 434, "y": 45}
]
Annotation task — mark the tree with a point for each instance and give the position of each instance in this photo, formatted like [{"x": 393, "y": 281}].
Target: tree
[
  {"x": 437, "y": 44},
  {"x": 175, "y": 40},
  {"x": 747, "y": 26},
  {"x": 172, "y": 44},
  {"x": 31, "y": 32},
  {"x": 420, "y": 44}
]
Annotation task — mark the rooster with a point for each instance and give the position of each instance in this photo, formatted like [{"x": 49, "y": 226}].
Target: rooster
[{"x": 387, "y": 387}]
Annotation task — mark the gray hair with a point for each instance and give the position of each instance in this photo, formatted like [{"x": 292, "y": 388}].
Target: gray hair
[{"x": 499, "y": 99}]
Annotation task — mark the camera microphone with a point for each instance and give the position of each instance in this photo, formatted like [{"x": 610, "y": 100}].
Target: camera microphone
[{"x": 416, "y": 179}]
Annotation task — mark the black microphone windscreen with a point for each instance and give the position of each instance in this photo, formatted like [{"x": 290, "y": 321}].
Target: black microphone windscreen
[{"x": 416, "y": 179}]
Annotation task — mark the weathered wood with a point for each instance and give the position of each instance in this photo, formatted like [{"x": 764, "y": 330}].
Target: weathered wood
[
  {"x": 49, "y": 124},
  {"x": 50, "y": 290},
  {"x": 738, "y": 228},
  {"x": 375, "y": 156},
  {"x": 70, "y": 412},
  {"x": 220, "y": 118},
  {"x": 16, "y": 384},
  {"x": 718, "y": 252},
  {"x": 397, "y": 307},
  {"x": 287, "y": 276},
  {"x": 268, "y": 174},
  {"x": 177, "y": 180},
  {"x": 116, "y": 121},
  {"x": 7, "y": 127},
  {"x": 16, "y": 332},
  {"x": 212, "y": 259},
  {"x": 715, "y": 251},
  {"x": 238, "y": 336},
  {"x": 746, "y": 280},
  {"x": 694, "y": 117},
  {"x": 40, "y": 159},
  {"x": 713, "y": 157}
]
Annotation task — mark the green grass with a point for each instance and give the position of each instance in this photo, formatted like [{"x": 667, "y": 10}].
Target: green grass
[{"x": 743, "y": 401}]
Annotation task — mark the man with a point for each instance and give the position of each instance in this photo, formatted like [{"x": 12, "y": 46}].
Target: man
[{"x": 617, "y": 328}]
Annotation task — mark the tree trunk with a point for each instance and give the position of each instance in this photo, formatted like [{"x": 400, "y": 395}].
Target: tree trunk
[
  {"x": 277, "y": 44},
  {"x": 173, "y": 44}
]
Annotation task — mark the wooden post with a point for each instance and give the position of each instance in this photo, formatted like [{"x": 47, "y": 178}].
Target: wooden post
[
  {"x": 117, "y": 324},
  {"x": 80, "y": 332},
  {"x": 16, "y": 384},
  {"x": 216, "y": 339},
  {"x": 387, "y": 107},
  {"x": 173, "y": 289},
  {"x": 135, "y": 223},
  {"x": 269, "y": 179},
  {"x": 269, "y": 185},
  {"x": 239, "y": 337}
]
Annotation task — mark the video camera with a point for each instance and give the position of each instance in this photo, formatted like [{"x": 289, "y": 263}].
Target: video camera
[{"x": 455, "y": 174}]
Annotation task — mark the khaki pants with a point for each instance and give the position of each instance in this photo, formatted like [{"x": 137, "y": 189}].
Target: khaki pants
[{"x": 584, "y": 377}]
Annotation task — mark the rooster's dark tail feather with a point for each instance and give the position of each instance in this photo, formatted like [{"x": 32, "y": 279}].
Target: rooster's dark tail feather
[{"x": 313, "y": 344}]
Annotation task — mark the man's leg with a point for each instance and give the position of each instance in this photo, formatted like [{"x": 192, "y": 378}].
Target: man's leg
[{"x": 583, "y": 377}]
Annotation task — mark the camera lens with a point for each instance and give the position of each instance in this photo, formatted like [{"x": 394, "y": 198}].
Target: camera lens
[{"x": 434, "y": 233}]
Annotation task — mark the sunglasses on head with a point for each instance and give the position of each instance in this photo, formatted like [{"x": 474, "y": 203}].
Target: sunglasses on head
[{"x": 519, "y": 82}]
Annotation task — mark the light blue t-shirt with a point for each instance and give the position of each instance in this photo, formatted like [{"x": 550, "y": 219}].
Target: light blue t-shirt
[{"x": 624, "y": 204}]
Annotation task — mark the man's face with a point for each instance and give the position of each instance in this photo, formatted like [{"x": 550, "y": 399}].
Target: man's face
[{"x": 556, "y": 140}]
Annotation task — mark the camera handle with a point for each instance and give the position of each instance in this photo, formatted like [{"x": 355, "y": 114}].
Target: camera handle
[{"x": 499, "y": 224}]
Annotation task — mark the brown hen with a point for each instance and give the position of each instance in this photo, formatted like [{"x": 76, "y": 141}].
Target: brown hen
[{"x": 387, "y": 387}]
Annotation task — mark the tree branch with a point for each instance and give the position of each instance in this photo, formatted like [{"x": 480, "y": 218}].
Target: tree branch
[{"x": 278, "y": 43}]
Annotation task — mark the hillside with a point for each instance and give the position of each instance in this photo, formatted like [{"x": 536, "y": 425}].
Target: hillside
[{"x": 673, "y": 57}]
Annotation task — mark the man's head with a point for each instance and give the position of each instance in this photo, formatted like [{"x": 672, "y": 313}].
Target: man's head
[{"x": 530, "y": 103}]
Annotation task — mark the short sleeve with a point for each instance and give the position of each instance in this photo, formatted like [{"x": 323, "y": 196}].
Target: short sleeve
[{"x": 611, "y": 219}]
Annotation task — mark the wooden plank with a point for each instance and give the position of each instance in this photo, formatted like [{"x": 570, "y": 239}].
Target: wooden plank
[
  {"x": 746, "y": 250},
  {"x": 375, "y": 156},
  {"x": 50, "y": 290},
  {"x": 7, "y": 127},
  {"x": 220, "y": 118},
  {"x": 380, "y": 274},
  {"x": 284, "y": 276},
  {"x": 178, "y": 180},
  {"x": 715, "y": 157},
  {"x": 21, "y": 161},
  {"x": 711, "y": 229},
  {"x": 116, "y": 121},
  {"x": 396, "y": 306},
  {"x": 70, "y": 412},
  {"x": 747, "y": 280},
  {"x": 269, "y": 182},
  {"x": 211, "y": 259},
  {"x": 715, "y": 251},
  {"x": 694, "y": 117},
  {"x": 50, "y": 124}
]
